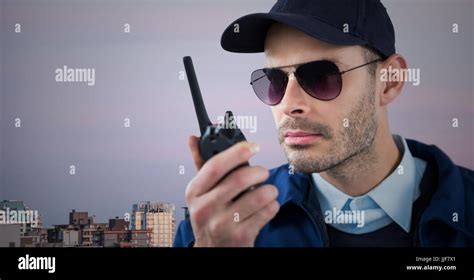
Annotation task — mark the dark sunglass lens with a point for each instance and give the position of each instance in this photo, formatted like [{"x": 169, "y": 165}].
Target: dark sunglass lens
[
  {"x": 269, "y": 85},
  {"x": 321, "y": 79}
]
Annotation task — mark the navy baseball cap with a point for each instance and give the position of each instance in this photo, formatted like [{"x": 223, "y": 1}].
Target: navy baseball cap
[{"x": 338, "y": 22}]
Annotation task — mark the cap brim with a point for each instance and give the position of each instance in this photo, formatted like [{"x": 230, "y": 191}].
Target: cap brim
[{"x": 249, "y": 36}]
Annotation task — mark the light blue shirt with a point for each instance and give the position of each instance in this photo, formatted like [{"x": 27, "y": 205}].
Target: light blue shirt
[{"x": 390, "y": 201}]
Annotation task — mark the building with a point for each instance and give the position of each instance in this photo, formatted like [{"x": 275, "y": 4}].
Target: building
[
  {"x": 83, "y": 231},
  {"x": 155, "y": 221},
  {"x": 63, "y": 236},
  {"x": 34, "y": 238},
  {"x": 113, "y": 238},
  {"x": 91, "y": 234},
  {"x": 140, "y": 238},
  {"x": 126, "y": 238},
  {"x": 117, "y": 233},
  {"x": 15, "y": 212},
  {"x": 78, "y": 218},
  {"x": 159, "y": 217},
  {"x": 70, "y": 237},
  {"x": 10, "y": 235},
  {"x": 118, "y": 224}
]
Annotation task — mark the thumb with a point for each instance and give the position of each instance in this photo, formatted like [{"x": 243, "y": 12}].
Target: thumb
[{"x": 193, "y": 142}]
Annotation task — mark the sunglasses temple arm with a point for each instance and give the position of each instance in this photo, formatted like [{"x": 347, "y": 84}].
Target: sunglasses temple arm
[{"x": 373, "y": 61}]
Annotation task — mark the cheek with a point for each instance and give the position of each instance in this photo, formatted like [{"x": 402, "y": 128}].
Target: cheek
[
  {"x": 328, "y": 113},
  {"x": 353, "y": 89},
  {"x": 350, "y": 91},
  {"x": 331, "y": 114}
]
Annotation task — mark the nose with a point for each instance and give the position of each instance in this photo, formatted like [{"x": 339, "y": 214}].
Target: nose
[{"x": 295, "y": 102}]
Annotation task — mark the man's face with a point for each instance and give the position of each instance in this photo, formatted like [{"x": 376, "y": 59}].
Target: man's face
[{"x": 319, "y": 135}]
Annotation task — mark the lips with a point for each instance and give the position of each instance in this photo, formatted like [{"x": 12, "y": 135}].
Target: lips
[{"x": 296, "y": 137}]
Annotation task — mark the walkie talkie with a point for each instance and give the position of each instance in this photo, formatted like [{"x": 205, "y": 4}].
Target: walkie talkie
[{"x": 214, "y": 139}]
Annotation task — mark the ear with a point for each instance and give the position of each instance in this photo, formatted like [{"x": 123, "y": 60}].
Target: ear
[{"x": 392, "y": 78}]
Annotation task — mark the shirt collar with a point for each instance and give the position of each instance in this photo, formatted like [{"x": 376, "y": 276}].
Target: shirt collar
[{"x": 394, "y": 195}]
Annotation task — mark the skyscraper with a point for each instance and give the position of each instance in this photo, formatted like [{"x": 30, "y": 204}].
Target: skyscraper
[{"x": 158, "y": 217}]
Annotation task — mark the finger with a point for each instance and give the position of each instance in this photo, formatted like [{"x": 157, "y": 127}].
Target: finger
[
  {"x": 253, "y": 201},
  {"x": 235, "y": 183},
  {"x": 259, "y": 219},
  {"x": 193, "y": 142},
  {"x": 239, "y": 181},
  {"x": 219, "y": 165}
]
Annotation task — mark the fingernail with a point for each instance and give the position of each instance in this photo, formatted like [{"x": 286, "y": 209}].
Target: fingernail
[{"x": 254, "y": 148}]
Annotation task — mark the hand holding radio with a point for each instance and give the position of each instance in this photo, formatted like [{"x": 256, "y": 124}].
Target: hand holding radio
[{"x": 222, "y": 211}]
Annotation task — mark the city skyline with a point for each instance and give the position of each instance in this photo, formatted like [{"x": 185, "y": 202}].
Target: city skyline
[
  {"x": 125, "y": 134},
  {"x": 151, "y": 224}
]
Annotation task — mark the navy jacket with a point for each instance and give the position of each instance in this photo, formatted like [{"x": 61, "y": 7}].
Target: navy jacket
[{"x": 445, "y": 220}]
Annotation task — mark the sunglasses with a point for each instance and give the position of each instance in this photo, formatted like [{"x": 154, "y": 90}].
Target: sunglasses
[{"x": 320, "y": 79}]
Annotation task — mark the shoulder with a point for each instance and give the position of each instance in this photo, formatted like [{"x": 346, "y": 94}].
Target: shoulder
[
  {"x": 184, "y": 234},
  {"x": 467, "y": 176}
]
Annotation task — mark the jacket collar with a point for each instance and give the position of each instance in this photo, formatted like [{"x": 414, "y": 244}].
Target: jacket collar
[{"x": 447, "y": 204}]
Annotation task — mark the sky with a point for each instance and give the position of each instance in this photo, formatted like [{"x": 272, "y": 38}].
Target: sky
[{"x": 137, "y": 76}]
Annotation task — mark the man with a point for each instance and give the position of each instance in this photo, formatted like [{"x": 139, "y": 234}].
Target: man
[{"x": 349, "y": 181}]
